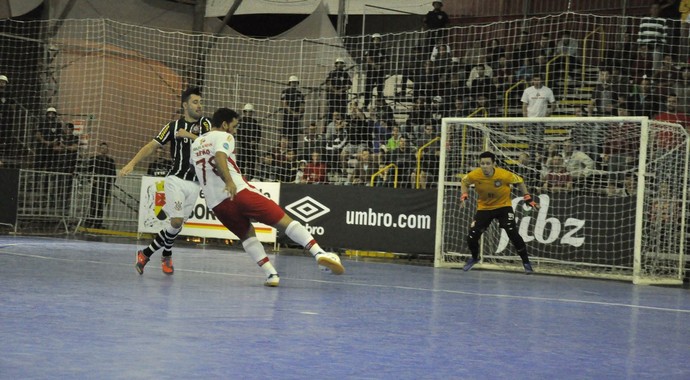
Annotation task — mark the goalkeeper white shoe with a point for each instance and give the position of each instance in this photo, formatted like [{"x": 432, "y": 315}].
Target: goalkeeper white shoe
[
  {"x": 331, "y": 261},
  {"x": 272, "y": 280}
]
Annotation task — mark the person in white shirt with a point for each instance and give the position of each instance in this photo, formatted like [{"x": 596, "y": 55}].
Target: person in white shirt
[
  {"x": 235, "y": 202},
  {"x": 537, "y": 99}
]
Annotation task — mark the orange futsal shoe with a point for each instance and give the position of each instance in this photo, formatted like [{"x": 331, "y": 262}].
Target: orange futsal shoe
[
  {"x": 167, "y": 265},
  {"x": 141, "y": 262}
]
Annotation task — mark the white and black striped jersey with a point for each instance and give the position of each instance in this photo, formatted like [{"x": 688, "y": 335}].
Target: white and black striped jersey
[{"x": 180, "y": 148}]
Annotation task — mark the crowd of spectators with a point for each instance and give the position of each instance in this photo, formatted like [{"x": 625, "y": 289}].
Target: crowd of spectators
[{"x": 643, "y": 75}]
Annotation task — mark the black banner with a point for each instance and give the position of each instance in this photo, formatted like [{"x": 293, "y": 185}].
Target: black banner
[
  {"x": 365, "y": 218},
  {"x": 571, "y": 228},
  {"x": 9, "y": 188}
]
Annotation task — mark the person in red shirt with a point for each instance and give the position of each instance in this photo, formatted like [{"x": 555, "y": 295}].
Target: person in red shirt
[
  {"x": 665, "y": 139},
  {"x": 315, "y": 171}
]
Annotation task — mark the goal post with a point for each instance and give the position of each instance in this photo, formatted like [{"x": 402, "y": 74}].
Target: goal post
[{"x": 612, "y": 191}]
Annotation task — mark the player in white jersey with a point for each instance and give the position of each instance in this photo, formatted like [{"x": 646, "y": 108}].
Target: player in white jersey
[{"x": 235, "y": 202}]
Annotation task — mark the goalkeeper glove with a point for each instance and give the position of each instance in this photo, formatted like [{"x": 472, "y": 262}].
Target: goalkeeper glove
[
  {"x": 529, "y": 200},
  {"x": 464, "y": 197}
]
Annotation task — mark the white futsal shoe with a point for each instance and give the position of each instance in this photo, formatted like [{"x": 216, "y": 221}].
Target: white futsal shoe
[
  {"x": 329, "y": 262},
  {"x": 272, "y": 280}
]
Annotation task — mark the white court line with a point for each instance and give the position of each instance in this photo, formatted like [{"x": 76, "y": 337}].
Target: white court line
[{"x": 494, "y": 295}]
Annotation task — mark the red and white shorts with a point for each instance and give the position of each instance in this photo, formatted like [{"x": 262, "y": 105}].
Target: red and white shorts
[{"x": 237, "y": 214}]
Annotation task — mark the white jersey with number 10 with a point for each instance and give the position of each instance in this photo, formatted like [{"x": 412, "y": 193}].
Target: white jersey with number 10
[{"x": 203, "y": 158}]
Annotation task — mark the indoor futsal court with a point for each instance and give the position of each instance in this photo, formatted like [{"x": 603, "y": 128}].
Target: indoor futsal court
[{"x": 74, "y": 309}]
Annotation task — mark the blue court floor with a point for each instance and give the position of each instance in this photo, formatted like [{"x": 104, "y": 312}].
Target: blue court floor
[{"x": 72, "y": 309}]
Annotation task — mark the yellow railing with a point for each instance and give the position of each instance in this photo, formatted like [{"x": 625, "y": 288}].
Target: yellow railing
[
  {"x": 419, "y": 159},
  {"x": 385, "y": 169},
  {"x": 602, "y": 42},
  {"x": 565, "y": 76},
  {"x": 506, "y": 96}
]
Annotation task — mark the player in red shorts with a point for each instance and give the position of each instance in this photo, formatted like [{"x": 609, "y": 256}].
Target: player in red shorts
[{"x": 235, "y": 202}]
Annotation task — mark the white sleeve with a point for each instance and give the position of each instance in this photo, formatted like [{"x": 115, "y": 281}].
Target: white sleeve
[{"x": 224, "y": 143}]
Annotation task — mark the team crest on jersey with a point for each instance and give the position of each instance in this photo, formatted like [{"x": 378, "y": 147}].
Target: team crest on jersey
[
  {"x": 226, "y": 146},
  {"x": 195, "y": 129},
  {"x": 498, "y": 183},
  {"x": 178, "y": 205}
]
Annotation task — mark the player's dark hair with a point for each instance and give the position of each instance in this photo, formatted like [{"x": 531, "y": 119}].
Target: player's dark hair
[
  {"x": 186, "y": 94},
  {"x": 488, "y": 155},
  {"x": 223, "y": 115}
]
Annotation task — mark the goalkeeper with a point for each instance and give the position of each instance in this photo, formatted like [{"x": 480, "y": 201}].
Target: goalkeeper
[{"x": 492, "y": 184}]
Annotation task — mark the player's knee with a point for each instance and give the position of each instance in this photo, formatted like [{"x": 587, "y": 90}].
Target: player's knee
[{"x": 176, "y": 222}]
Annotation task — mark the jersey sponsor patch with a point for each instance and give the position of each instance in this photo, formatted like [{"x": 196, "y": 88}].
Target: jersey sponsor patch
[
  {"x": 226, "y": 146},
  {"x": 498, "y": 183}
]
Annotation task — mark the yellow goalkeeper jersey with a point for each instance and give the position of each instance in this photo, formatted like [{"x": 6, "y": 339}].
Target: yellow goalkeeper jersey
[{"x": 494, "y": 191}]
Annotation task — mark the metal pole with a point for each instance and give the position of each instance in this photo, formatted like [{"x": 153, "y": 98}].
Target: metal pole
[{"x": 341, "y": 18}]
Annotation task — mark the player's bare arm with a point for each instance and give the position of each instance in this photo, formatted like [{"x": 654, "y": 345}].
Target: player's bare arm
[
  {"x": 144, "y": 152},
  {"x": 525, "y": 194},
  {"x": 464, "y": 188},
  {"x": 224, "y": 173}
]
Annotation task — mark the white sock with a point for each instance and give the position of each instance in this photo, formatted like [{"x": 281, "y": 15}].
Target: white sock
[
  {"x": 296, "y": 231},
  {"x": 256, "y": 250}
]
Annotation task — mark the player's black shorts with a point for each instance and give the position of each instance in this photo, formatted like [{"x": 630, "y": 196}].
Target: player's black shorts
[{"x": 504, "y": 215}]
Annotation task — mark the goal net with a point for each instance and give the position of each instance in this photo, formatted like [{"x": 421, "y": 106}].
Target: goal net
[{"x": 612, "y": 194}]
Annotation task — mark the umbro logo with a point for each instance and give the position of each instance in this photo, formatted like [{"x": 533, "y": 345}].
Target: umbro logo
[{"x": 307, "y": 209}]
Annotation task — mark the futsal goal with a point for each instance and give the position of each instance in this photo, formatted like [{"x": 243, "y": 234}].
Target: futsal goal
[{"x": 613, "y": 195}]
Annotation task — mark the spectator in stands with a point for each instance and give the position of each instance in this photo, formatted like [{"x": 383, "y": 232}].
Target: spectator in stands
[
  {"x": 313, "y": 141},
  {"x": 682, "y": 90},
  {"x": 462, "y": 106},
  {"x": 621, "y": 148},
  {"x": 494, "y": 52},
  {"x": 567, "y": 47},
  {"x": 475, "y": 55},
  {"x": 672, "y": 11},
  {"x": 644, "y": 101},
  {"x": 557, "y": 178},
  {"x": 604, "y": 99},
  {"x": 335, "y": 146},
  {"x": 529, "y": 170},
  {"x": 629, "y": 188},
  {"x": 292, "y": 102},
  {"x": 653, "y": 33},
  {"x": 316, "y": 171},
  {"x": 621, "y": 54},
  {"x": 103, "y": 168},
  {"x": 483, "y": 106},
  {"x": 441, "y": 56},
  {"x": 667, "y": 144},
  {"x": 480, "y": 83},
  {"x": 267, "y": 171},
  {"x": 502, "y": 75},
  {"x": 404, "y": 157},
  {"x": 525, "y": 69},
  {"x": 393, "y": 142},
  {"x": 421, "y": 112},
  {"x": 248, "y": 136},
  {"x": 537, "y": 100},
  {"x": 67, "y": 151},
  {"x": 338, "y": 83},
  {"x": 385, "y": 178},
  {"x": 376, "y": 59},
  {"x": 48, "y": 136},
  {"x": 434, "y": 23},
  {"x": 545, "y": 46},
  {"x": 160, "y": 165},
  {"x": 280, "y": 151},
  {"x": 579, "y": 164},
  {"x": 383, "y": 113},
  {"x": 330, "y": 127},
  {"x": 424, "y": 80},
  {"x": 524, "y": 48},
  {"x": 365, "y": 168},
  {"x": 299, "y": 174},
  {"x": 287, "y": 170},
  {"x": 667, "y": 72}
]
